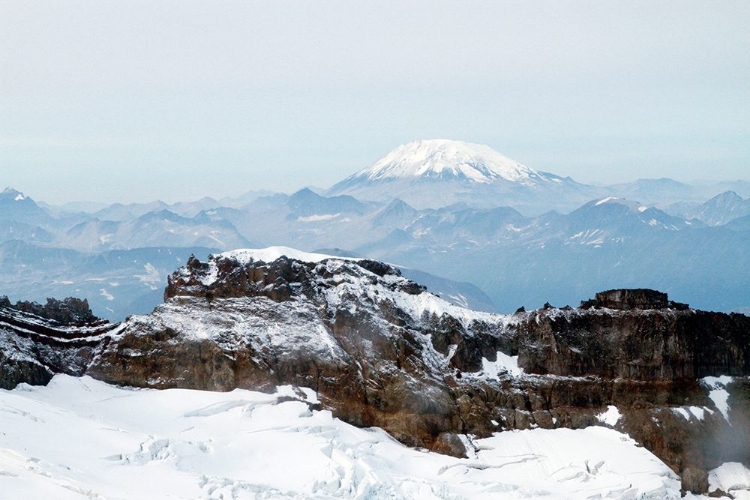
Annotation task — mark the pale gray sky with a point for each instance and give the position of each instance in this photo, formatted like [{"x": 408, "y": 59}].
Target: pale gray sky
[{"x": 138, "y": 100}]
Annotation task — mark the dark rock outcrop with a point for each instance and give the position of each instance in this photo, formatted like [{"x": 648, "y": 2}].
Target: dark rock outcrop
[
  {"x": 649, "y": 345},
  {"x": 70, "y": 311},
  {"x": 34, "y": 347},
  {"x": 381, "y": 351},
  {"x": 637, "y": 298}
]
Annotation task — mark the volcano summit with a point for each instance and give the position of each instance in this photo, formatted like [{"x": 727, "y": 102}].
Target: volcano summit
[{"x": 438, "y": 172}]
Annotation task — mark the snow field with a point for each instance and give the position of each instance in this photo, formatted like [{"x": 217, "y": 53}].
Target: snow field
[{"x": 83, "y": 439}]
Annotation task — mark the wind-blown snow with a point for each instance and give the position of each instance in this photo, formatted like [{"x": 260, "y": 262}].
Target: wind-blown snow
[
  {"x": 445, "y": 158},
  {"x": 348, "y": 284},
  {"x": 414, "y": 304},
  {"x": 270, "y": 254},
  {"x": 286, "y": 327},
  {"x": 79, "y": 438},
  {"x": 246, "y": 255}
]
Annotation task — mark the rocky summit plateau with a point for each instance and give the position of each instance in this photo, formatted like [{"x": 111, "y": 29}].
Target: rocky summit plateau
[{"x": 381, "y": 350}]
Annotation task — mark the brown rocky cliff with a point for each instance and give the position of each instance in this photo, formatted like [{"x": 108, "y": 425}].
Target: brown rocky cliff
[{"x": 653, "y": 344}]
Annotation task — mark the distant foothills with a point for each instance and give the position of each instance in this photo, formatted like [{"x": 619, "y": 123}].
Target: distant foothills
[{"x": 477, "y": 228}]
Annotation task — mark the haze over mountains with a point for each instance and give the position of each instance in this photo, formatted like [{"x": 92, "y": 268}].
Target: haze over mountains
[{"x": 490, "y": 232}]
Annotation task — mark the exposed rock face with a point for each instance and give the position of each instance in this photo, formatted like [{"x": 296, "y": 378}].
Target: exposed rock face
[
  {"x": 69, "y": 311},
  {"x": 33, "y": 347},
  {"x": 382, "y": 351},
  {"x": 648, "y": 345},
  {"x": 368, "y": 340},
  {"x": 627, "y": 299}
]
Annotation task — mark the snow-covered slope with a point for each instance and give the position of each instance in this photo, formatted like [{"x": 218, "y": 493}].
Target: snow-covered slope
[
  {"x": 439, "y": 172},
  {"x": 82, "y": 439}
]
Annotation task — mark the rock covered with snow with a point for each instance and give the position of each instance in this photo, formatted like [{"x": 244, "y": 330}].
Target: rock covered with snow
[
  {"x": 37, "y": 341},
  {"x": 380, "y": 350},
  {"x": 375, "y": 345}
]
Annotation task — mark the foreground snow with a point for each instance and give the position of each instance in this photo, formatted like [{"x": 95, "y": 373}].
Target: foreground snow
[
  {"x": 733, "y": 478},
  {"x": 80, "y": 438}
]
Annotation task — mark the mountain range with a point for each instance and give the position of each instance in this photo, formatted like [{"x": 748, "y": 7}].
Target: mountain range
[{"x": 473, "y": 223}]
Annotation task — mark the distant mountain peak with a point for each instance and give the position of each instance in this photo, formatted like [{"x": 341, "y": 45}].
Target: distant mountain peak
[
  {"x": 726, "y": 196},
  {"x": 439, "y": 172},
  {"x": 447, "y": 159},
  {"x": 722, "y": 208},
  {"x": 11, "y": 194}
]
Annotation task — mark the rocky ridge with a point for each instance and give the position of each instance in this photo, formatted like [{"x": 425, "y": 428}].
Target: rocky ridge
[{"x": 382, "y": 351}]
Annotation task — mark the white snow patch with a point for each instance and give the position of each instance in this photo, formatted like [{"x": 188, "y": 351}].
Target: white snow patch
[
  {"x": 503, "y": 364},
  {"x": 19, "y": 197},
  {"x": 606, "y": 200},
  {"x": 718, "y": 393},
  {"x": 610, "y": 417},
  {"x": 317, "y": 218},
  {"x": 682, "y": 412},
  {"x": 699, "y": 412},
  {"x": 104, "y": 293}
]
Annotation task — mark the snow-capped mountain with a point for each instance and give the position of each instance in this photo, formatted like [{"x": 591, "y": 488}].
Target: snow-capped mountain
[
  {"x": 444, "y": 159},
  {"x": 439, "y": 172},
  {"x": 19, "y": 207}
]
